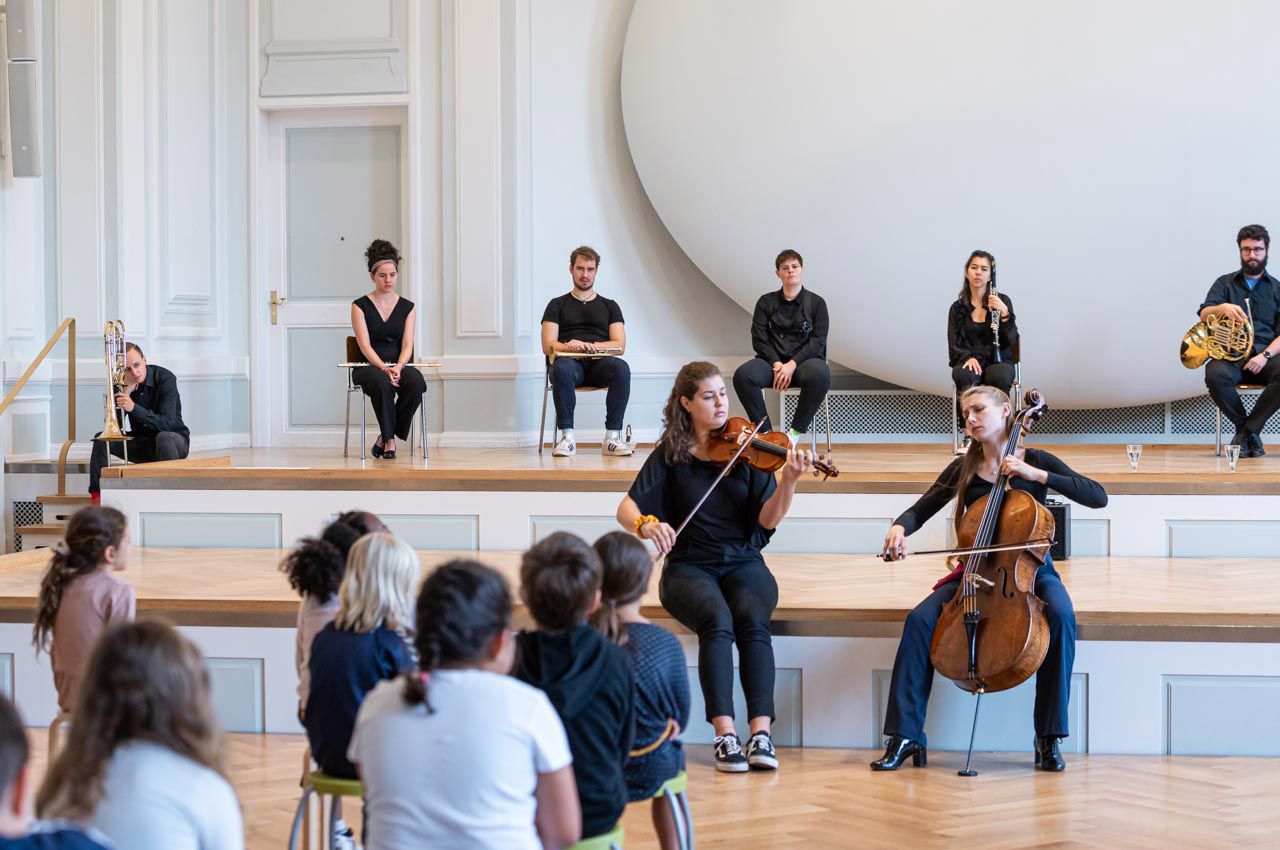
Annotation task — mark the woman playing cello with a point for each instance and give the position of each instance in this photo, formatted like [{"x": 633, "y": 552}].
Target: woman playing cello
[{"x": 987, "y": 415}]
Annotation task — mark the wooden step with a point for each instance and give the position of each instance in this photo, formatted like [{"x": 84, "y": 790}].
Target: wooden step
[
  {"x": 58, "y": 509},
  {"x": 40, "y": 536}
]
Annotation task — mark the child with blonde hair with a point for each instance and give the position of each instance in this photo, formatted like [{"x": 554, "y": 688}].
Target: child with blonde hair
[
  {"x": 80, "y": 595},
  {"x": 367, "y": 642}
]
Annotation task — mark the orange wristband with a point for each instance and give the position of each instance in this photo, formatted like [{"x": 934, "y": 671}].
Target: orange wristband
[{"x": 641, "y": 521}]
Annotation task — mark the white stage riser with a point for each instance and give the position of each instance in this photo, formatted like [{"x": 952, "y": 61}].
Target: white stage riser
[
  {"x": 1128, "y": 697},
  {"x": 1144, "y": 525}
]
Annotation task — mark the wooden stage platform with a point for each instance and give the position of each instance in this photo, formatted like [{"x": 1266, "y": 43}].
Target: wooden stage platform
[
  {"x": 866, "y": 468},
  {"x": 1221, "y": 599}
]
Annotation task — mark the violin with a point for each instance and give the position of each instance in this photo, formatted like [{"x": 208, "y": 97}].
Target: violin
[
  {"x": 766, "y": 452},
  {"x": 993, "y": 634}
]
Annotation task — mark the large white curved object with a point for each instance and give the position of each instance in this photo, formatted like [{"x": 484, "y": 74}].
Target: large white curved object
[{"x": 1105, "y": 152}]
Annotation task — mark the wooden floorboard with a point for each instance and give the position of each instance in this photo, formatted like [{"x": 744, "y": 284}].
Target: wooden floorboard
[
  {"x": 829, "y": 799},
  {"x": 864, "y": 468},
  {"x": 821, "y": 593}
]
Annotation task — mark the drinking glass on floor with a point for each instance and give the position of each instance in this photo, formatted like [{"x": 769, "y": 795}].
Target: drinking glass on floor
[{"x": 1135, "y": 452}]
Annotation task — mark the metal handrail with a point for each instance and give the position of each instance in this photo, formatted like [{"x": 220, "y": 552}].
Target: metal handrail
[{"x": 68, "y": 324}]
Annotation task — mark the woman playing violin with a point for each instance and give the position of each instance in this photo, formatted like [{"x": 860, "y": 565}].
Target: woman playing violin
[
  {"x": 987, "y": 415},
  {"x": 715, "y": 581}
]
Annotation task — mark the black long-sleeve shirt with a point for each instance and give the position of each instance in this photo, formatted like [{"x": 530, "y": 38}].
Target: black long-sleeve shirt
[
  {"x": 156, "y": 405},
  {"x": 1264, "y": 303},
  {"x": 783, "y": 330},
  {"x": 1062, "y": 479},
  {"x": 967, "y": 338}
]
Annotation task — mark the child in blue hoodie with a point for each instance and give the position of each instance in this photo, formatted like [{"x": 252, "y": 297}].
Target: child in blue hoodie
[{"x": 588, "y": 679}]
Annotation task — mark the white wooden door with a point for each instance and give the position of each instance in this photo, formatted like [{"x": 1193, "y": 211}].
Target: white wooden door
[{"x": 334, "y": 179}]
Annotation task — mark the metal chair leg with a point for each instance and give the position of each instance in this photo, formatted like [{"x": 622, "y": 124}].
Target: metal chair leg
[
  {"x": 1217, "y": 432},
  {"x": 826, "y": 405},
  {"x": 422, "y": 420},
  {"x": 542, "y": 423},
  {"x": 301, "y": 821},
  {"x": 678, "y": 814},
  {"x": 346, "y": 428},
  {"x": 363, "y": 405},
  {"x": 683, "y": 798},
  {"x": 955, "y": 421}
]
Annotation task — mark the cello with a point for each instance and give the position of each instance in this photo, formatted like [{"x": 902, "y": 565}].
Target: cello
[{"x": 993, "y": 634}]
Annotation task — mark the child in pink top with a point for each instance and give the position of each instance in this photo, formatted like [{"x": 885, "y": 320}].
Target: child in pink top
[{"x": 80, "y": 596}]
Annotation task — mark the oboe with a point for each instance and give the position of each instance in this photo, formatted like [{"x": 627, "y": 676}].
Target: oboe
[{"x": 994, "y": 314}]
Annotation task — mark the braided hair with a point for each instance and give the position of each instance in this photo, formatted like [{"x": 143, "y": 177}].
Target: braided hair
[
  {"x": 626, "y": 569},
  {"x": 316, "y": 567},
  {"x": 90, "y": 533},
  {"x": 461, "y": 607}
]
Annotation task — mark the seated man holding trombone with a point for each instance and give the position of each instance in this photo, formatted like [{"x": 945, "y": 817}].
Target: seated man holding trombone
[{"x": 149, "y": 396}]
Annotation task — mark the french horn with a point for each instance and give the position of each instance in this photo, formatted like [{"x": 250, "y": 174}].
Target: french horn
[{"x": 1218, "y": 338}]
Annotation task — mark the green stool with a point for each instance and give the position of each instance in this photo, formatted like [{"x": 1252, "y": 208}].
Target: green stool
[
  {"x": 322, "y": 785},
  {"x": 674, "y": 791},
  {"x": 611, "y": 840}
]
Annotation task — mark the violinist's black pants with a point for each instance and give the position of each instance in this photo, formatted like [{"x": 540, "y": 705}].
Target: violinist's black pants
[
  {"x": 913, "y": 673},
  {"x": 812, "y": 378},
  {"x": 727, "y": 604}
]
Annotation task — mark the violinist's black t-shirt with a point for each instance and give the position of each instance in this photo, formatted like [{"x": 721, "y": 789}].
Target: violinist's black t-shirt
[
  {"x": 726, "y": 528},
  {"x": 585, "y": 321}
]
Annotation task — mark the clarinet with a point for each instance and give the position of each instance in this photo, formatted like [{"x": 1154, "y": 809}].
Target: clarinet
[{"x": 994, "y": 314}]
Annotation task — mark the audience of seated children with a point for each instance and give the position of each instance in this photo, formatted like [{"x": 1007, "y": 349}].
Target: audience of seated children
[
  {"x": 315, "y": 569},
  {"x": 18, "y": 829},
  {"x": 80, "y": 595},
  {"x": 662, "y": 680},
  {"x": 588, "y": 679},
  {"x": 365, "y": 644},
  {"x": 457, "y": 753},
  {"x": 143, "y": 763}
]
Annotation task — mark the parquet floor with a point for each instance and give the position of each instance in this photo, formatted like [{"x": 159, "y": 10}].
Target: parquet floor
[{"x": 829, "y": 799}]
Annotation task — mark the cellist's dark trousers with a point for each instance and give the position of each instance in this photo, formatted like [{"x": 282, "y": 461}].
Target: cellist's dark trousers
[{"x": 913, "y": 673}]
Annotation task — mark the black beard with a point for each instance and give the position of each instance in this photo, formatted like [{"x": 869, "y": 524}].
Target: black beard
[{"x": 1253, "y": 268}]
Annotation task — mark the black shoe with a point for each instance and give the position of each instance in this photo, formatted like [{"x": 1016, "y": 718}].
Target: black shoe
[
  {"x": 388, "y": 454},
  {"x": 1048, "y": 756},
  {"x": 376, "y": 448},
  {"x": 898, "y": 750},
  {"x": 729, "y": 755},
  {"x": 760, "y": 752},
  {"x": 1255, "y": 445},
  {"x": 1241, "y": 439}
]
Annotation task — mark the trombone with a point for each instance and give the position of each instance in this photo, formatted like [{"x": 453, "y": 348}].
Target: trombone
[{"x": 115, "y": 351}]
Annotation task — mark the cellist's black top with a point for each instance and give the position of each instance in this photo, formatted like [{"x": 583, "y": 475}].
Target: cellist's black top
[{"x": 1062, "y": 479}]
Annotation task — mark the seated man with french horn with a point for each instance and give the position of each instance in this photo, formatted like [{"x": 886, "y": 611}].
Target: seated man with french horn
[
  {"x": 149, "y": 397},
  {"x": 1250, "y": 296}
]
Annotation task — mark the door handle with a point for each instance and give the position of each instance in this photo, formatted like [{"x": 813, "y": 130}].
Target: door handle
[{"x": 275, "y": 302}]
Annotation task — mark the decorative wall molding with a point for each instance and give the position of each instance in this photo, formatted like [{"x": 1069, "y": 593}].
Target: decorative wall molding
[
  {"x": 79, "y": 145},
  {"x": 478, "y": 223},
  {"x": 299, "y": 59},
  {"x": 93, "y": 370}
]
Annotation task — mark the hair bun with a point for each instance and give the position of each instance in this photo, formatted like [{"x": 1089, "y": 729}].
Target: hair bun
[{"x": 379, "y": 251}]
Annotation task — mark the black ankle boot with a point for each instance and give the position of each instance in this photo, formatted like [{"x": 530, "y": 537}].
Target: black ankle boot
[
  {"x": 1048, "y": 756},
  {"x": 897, "y": 751}
]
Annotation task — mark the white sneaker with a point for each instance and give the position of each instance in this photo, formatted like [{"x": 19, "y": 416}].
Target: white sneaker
[
  {"x": 615, "y": 446},
  {"x": 565, "y": 447},
  {"x": 343, "y": 837}
]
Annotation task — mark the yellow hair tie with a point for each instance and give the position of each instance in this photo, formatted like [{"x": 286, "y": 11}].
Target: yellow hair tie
[{"x": 641, "y": 521}]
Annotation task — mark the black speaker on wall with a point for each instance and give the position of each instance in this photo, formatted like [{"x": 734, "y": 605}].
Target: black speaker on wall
[{"x": 1061, "y": 548}]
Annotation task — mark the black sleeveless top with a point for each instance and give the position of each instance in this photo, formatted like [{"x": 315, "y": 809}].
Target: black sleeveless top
[{"x": 385, "y": 337}]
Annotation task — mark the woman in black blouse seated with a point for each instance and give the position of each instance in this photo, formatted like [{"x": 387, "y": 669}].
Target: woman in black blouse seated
[
  {"x": 969, "y": 338},
  {"x": 715, "y": 581},
  {"x": 987, "y": 416},
  {"x": 384, "y": 323}
]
